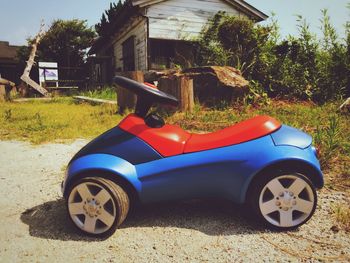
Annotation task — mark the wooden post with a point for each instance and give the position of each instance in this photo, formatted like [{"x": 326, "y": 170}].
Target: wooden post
[
  {"x": 125, "y": 98},
  {"x": 5, "y": 89},
  {"x": 182, "y": 88},
  {"x": 185, "y": 85},
  {"x": 3, "y": 96}
]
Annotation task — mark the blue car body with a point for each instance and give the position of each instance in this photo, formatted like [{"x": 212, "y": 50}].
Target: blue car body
[{"x": 222, "y": 172}]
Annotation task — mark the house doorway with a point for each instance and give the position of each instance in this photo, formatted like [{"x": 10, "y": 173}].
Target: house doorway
[{"x": 129, "y": 54}]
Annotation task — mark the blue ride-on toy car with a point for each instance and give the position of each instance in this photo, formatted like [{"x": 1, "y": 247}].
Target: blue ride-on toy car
[{"x": 271, "y": 167}]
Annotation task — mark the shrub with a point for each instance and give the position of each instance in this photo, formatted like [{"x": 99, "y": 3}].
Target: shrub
[{"x": 298, "y": 67}]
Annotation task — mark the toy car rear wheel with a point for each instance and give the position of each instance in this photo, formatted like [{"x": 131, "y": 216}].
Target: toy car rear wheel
[
  {"x": 97, "y": 206},
  {"x": 283, "y": 201}
]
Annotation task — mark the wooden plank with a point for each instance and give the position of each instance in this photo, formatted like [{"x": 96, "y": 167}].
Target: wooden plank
[
  {"x": 34, "y": 85},
  {"x": 32, "y": 99},
  {"x": 183, "y": 19},
  {"x": 54, "y": 88},
  {"x": 66, "y": 81},
  {"x": 94, "y": 100}
]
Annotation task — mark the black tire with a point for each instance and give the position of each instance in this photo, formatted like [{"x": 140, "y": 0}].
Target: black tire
[
  {"x": 260, "y": 200},
  {"x": 115, "y": 209}
]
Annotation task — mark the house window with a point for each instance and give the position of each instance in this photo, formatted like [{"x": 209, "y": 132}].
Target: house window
[
  {"x": 129, "y": 54},
  {"x": 162, "y": 53}
]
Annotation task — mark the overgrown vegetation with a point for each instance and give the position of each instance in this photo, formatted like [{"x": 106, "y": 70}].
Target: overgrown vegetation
[
  {"x": 298, "y": 67},
  {"x": 107, "y": 93},
  {"x": 342, "y": 216},
  {"x": 59, "y": 119}
]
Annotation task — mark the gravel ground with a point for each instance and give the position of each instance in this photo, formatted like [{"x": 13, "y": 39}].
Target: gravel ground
[{"x": 34, "y": 225}]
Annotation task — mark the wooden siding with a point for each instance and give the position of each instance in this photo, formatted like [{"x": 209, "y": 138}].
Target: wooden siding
[
  {"x": 183, "y": 19},
  {"x": 138, "y": 29}
]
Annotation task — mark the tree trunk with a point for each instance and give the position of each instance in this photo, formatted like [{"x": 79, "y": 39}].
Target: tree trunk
[{"x": 25, "y": 76}]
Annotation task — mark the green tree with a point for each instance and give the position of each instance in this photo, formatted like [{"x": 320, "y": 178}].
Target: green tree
[
  {"x": 331, "y": 64},
  {"x": 233, "y": 41},
  {"x": 104, "y": 27},
  {"x": 66, "y": 42}
]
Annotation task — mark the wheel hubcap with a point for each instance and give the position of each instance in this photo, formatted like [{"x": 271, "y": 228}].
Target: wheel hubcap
[
  {"x": 91, "y": 207},
  {"x": 286, "y": 201}
]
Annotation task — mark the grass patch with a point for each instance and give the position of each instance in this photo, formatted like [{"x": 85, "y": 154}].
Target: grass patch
[
  {"x": 59, "y": 119},
  {"x": 106, "y": 93},
  {"x": 342, "y": 216}
]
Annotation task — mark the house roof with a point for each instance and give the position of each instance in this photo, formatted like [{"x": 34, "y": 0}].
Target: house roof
[
  {"x": 8, "y": 52},
  {"x": 241, "y": 5}
]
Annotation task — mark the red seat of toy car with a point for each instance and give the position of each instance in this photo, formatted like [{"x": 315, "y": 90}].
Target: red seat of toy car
[
  {"x": 171, "y": 140},
  {"x": 241, "y": 132},
  {"x": 168, "y": 140}
]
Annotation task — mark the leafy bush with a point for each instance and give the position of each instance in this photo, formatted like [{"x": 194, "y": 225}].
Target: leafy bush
[{"x": 298, "y": 67}]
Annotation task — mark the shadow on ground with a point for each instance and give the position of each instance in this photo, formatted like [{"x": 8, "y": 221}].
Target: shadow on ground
[{"x": 213, "y": 217}]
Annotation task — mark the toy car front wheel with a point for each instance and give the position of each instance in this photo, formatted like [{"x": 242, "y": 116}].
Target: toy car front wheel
[
  {"x": 284, "y": 201},
  {"x": 97, "y": 206}
]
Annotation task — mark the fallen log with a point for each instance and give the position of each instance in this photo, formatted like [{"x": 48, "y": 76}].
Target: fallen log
[{"x": 25, "y": 76}]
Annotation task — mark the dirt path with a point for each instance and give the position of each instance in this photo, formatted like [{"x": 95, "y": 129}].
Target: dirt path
[{"x": 34, "y": 226}]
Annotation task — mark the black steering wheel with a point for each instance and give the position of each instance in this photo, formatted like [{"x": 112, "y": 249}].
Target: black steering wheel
[{"x": 146, "y": 96}]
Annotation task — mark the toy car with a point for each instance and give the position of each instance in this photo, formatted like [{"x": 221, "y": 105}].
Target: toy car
[{"x": 271, "y": 167}]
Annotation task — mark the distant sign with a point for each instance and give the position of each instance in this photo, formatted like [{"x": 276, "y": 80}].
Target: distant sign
[{"x": 48, "y": 71}]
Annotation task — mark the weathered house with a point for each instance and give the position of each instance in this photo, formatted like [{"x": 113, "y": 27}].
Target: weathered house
[
  {"x": 8, "y": 61},
  {"x": 156, "y": 34}
]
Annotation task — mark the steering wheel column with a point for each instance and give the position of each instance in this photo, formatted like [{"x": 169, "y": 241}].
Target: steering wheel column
[{"x": 147, "y": 95}]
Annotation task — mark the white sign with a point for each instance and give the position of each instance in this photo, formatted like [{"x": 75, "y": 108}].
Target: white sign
[{"x": 48, "y": 71}]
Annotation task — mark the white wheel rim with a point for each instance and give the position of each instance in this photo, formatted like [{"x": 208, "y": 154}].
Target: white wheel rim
[
  {"x": 91, "y": 208},
  {"x": 286, "y": 201}
]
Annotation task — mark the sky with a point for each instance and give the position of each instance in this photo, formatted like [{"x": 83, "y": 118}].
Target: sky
[{"x": 20, "y": 19}]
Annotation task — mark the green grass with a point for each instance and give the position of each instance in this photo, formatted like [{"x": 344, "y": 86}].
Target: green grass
[
  {"x": 59, "y": 119},
  {"x": 342, "y": 216},
  {"x": 107, "y": 93}
]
